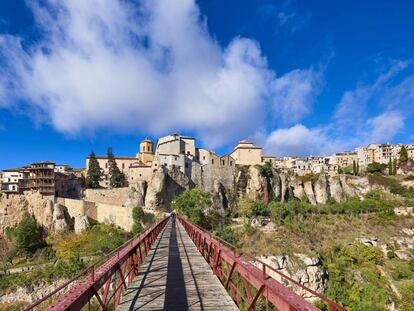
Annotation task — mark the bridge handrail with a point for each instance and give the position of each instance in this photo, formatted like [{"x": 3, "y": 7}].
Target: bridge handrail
[
  {"x": 236, "y": 254},
  {"x": 129, "y": 246}
]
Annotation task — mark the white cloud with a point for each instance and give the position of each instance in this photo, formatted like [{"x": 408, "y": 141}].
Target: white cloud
[
  {"x": 148, "y": 68},
  {"x": 385, "y": 126},
  {"x": 353, "y": 105},
  {"x": 298, "y": 140},
  {"x": 293, "y": 94}
]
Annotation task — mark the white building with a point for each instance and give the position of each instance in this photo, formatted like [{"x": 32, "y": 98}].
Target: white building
[
  {"x": 175, "y": 151},
  {"x": 9, "y": 180}
]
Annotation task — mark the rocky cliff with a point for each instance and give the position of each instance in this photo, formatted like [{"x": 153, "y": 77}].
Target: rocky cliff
[
  {"x": 52, "y": 217},
  {"x": 245, "y": 182}
]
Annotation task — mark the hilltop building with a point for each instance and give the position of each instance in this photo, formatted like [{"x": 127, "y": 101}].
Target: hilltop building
[
  {"x": 45, "y": 177},
  {"x": 135, "y": 168}
]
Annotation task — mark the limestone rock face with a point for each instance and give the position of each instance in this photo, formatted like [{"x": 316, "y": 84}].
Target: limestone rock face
[
  {"x": 335, "y": 188},
  {"x": 304, "y": 269},
  {"x": 283, "y": 187},
  {"x": 307, "y": 186},
  {"x": 297, "y": 189},
  {"x": 81, "y": 223},
  {"x": 276, "y": 187},
  {"x": 164, "y": 186},
  {"x": 30, "y": 294},
  {"x": 13, "y": 207},
  {"x": 136, "y": 194},
  {"x": 321, "y": 189},
  {"x": 257, "y": 186},
  {"x": 60, "y": 219},
  {"x": 219, "y": 198}
]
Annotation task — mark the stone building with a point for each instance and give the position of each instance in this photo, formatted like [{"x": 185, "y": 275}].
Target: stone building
[
  {"x": 245, "y": 153},
  {"x": 135, "y": 168},
  {"x": 345, "y": 159}
]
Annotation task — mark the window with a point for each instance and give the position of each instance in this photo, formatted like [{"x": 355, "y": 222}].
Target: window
[
  {"x": 175, "y": 158},
  {"x": 231, "y": 163},
  {"x": 140, "y": 175},
  {"x": 212, "y": 161},
  {"x": 222, "y": 162},
  {"x": 143, "y": 148},
  {"x": 204, "y": 157},
  {"x": 106, "y": 165},
  {"x": 123, "y": 165}
]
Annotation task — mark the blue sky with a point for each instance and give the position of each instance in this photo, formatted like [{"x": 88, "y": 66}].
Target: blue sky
[{"x": 297, "y": 77}]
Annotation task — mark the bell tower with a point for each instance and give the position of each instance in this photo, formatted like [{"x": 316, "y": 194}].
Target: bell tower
[{"x": 146, "y": 151}]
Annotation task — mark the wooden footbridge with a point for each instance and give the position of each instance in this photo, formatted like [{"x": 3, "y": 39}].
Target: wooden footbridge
[{"x": 175, "y": 265}]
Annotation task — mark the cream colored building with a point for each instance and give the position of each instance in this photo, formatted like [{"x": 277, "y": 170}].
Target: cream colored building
[
  {"x": 245, "y": 153},
  {"x": 270, "y": 159},
  {"x": 380, "y": 153},
  {"x": 135, "y": 168},
  {"x": 146, "y": 152},
  {"x": 345, "y": 159}
]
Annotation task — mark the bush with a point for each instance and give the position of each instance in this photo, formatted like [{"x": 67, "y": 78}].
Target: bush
[
  {"x": 27, "y": 235},
  {"x": 226, "y": 233},
  {"x": 195, "y": 204},
  {"x": 376, "y": 167},
  {"x": 266, "y": 169},
  {"x": 137, "y": 217}
]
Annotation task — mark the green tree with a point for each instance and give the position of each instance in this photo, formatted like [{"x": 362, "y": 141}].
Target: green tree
[
  {"x": 137, "y": 217},
  {"x": 116, "y": 177},
  {"x": 354, "y": 168},
  {"x": 195, "y": 204},
  {"x": 28, "y": 235},
  {"x": 94, "y": 174},
  {"x": 394, "y": 167},
  {"x": 375, "y": 167},
  {"x": 403, "y": 155},
  {"x": 390, "y": 170}
]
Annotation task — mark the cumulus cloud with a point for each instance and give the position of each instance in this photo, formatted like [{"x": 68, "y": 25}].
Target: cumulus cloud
[
  {"x": 147, "y": 67},
  {"x": 298, "y": 140},
  {"x": 385, "y": 126}
]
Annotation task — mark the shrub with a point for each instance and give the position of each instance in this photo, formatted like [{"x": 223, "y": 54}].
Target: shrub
[
  {"x": 376, "y": 167},
  {"x": 195, "y": 204},
  {"x": 137, "y": 217},
  {"x": 27, "y": 234},
  {"x": 266, "y": 169}
]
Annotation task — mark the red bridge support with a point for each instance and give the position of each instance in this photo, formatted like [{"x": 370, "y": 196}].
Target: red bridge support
[
  {"x": 107, "y": 282},
  {"x": 246, "y": 278}
]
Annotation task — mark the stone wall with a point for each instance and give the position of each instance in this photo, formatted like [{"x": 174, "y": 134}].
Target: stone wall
[
  {"x": 117, "y": 215},
  {"x": 115, "y": 196}
]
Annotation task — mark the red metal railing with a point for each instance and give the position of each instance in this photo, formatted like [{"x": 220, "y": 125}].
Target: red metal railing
[
  {"x": 106, "y": 283},
  {"x": 246, "y": 278}
]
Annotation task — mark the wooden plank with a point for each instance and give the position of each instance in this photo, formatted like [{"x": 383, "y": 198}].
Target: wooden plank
[{"x": 174, "y": 276}]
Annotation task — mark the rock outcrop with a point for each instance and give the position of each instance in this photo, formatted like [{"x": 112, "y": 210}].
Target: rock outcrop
[
  {"x": 136, "y": 194},
  {"x": 305, "y": 270},
  {"x": 164, "y": 186},
  {"x": 81, "y": 223},
  {"x": 48, "y": 214},
  {"x": 60, "y": 219}
]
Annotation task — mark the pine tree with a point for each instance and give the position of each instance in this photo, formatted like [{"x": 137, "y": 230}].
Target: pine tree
[
  {"x": 94, "y": 174},
  {"x": 354, "y": 168},
  {"x": 116, "y": 177},
  {"x": 390, "y": 170},
  {"x": 403, "y": 155},
  {"x": 357, "y": 169}
]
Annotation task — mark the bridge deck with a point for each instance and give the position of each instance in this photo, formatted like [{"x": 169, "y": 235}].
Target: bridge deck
[{"x": 174, "y": 276}]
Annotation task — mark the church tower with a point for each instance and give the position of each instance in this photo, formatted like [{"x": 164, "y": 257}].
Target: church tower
[{"x": 146, "y": 151}]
